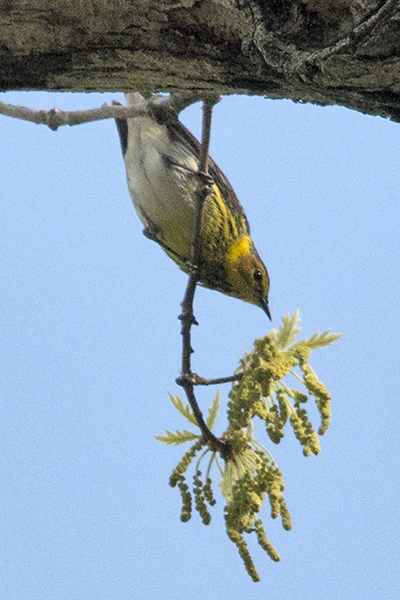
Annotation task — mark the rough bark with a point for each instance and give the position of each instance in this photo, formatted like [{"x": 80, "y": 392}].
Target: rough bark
[{"x": 323, "y": 51}]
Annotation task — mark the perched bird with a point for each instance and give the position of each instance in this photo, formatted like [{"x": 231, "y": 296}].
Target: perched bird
[{"x": 161, "y": 160}]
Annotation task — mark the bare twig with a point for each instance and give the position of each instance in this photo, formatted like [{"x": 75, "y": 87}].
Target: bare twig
[
  {"x": 55, "y": 118},
  {"x": 188, "y": 379},
  {"x": 197, "y": 380}
]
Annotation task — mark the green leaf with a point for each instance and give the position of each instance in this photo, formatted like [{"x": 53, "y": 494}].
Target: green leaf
[
  {"x": 319, "y": 340},
  {"x": 184, "y": 409},
  {"x": 288, "y": 330},
  {"x": 213, "y": 412},
  {"x": 179, "y": 437}
]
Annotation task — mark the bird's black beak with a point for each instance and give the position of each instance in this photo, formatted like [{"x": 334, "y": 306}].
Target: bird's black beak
[{"x": 265, "y": 307}]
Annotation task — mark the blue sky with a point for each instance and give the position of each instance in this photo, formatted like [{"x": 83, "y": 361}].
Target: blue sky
[{"x": 90, "y": 347}]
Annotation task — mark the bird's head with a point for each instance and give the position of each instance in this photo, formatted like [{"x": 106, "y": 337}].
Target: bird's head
[{"x": 247, "y": 276}]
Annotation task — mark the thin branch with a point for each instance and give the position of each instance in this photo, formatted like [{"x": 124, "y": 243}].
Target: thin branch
[
  {"x": 217, "y": 381},
  {"x": 55, "y": 118},
  {"x": 205, "y": 138},
  {"x": 187, "y": 317}
]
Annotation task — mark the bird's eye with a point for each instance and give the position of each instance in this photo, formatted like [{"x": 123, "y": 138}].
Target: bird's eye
[{"x": 257, "y": 275}]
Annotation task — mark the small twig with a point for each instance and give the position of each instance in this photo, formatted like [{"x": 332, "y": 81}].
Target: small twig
[
  {"x": 187, "y": 317},
  {"x": 217, "y": 381},
  {"x": 203, "y": 186},
  {"x": 55, "y": 118}
]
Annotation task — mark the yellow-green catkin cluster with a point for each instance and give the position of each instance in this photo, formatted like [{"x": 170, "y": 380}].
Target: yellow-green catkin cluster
[
  {"x": 178, "y": 478},
  {"x": 259, "y": 371},
  {"x": 261, "y": 391},
  {"x": 315, "y": 387},
  {"x": 202, "y": 490},
  {"x": 245, "y": 502},
  {"x": 251, "y": 476}
]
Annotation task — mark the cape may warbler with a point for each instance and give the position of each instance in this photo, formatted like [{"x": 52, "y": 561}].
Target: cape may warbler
[{"x": 161, "y": 160}]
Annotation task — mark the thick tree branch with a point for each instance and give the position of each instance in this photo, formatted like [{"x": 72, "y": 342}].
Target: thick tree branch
[{"x": 343, "y": 52}]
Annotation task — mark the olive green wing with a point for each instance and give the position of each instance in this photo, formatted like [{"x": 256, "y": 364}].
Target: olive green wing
[{"x": 179, "y": 131}]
